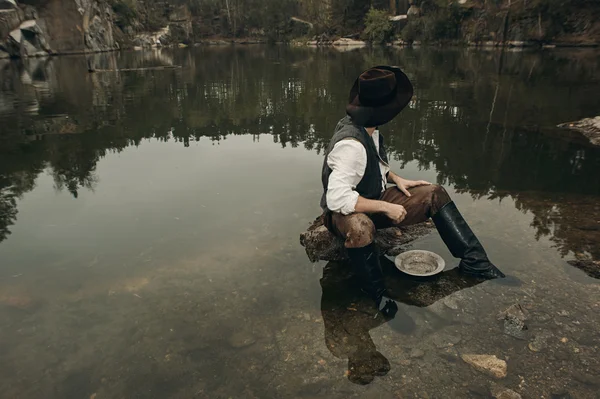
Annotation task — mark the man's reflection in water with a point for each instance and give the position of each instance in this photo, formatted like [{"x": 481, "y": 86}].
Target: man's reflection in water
[{"x": 349, "y": 315}]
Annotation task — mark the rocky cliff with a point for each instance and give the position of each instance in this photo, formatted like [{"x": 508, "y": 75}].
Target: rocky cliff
[{"x": 43, "y": 27}]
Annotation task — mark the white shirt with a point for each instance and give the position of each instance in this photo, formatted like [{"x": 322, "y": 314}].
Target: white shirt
[{"x": 348, "y": 161}]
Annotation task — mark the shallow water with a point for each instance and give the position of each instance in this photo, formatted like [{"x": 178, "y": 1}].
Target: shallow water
[{"x": 149, "y": 226}]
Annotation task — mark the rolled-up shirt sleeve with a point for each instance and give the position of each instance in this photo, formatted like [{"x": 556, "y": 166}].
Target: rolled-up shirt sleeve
[{"x": 348, "y": 161}]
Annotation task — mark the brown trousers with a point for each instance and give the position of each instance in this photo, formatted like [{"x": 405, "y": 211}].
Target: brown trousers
[{"x": 358, "y": 229}]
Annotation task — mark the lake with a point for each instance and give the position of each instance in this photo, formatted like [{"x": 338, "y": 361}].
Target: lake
[{"x": 150, "y": 221}]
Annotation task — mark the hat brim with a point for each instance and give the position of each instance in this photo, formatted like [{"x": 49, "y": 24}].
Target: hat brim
[{"x": 376, "y": 116}]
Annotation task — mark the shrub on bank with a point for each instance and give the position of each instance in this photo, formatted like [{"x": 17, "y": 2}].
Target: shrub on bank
[{"x": 378, "y": 28}]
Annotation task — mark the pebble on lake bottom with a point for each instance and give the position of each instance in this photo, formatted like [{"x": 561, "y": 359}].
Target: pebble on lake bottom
[{"x": 488, "y": 364}]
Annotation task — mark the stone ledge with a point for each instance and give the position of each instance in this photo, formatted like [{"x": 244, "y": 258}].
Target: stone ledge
[{"x": 320, "y": 244}]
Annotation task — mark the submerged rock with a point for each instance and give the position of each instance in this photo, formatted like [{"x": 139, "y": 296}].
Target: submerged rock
[
  {"x": 515, "y": 328},
  {"x": 487, "y": 364},
  {"x": 516, "y": 311},
  {"x": 540, "y": 341},
  {"x": 241, "y": 339},
  {"x": 514, "y": 321},
  {"x": 445, "y": 340},
  {"x": 500, "y": 392},
  {"x": 416, "y": 353}
]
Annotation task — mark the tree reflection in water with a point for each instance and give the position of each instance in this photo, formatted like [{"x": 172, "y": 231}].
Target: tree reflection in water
[{"x": 485, "y": 133}]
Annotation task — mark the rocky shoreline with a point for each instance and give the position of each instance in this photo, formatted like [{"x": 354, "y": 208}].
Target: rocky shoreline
[
  {"x": 341, "y": 42},
  {"x": 93, "y": 26}
]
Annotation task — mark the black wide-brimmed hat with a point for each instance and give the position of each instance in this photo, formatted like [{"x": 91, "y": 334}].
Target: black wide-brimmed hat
[{"x": 378, "y": 95}]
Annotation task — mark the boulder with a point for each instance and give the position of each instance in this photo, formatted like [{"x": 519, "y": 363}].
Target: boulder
[
  {"x": 589, "y": 127},
  {"x": 10, "y": 19},
  {"x": 349, "y": 42},
  {"x": 27, "y": 40},
  {"x": 413, "y": 11},
  {"x": 320, "y": 244}
]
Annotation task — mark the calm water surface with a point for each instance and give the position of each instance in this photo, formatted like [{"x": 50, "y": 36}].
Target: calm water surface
[{"x": 149, "y": 226}]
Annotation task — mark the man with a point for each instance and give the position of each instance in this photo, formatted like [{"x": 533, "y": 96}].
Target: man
[{"x": 355, "y": 173}]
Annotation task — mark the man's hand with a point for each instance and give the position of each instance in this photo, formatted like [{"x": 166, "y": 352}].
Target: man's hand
[
  {"x": 404, "y": 184},
  {"x": 396, "y": 213}
]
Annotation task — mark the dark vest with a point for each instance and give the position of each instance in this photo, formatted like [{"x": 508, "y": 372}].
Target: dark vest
[{"x": 371, "y": 184}]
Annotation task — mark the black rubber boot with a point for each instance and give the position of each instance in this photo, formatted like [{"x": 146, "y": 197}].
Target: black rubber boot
[
  {"x": 366, "y": 263},
  {"x": 463, "y": 244}
]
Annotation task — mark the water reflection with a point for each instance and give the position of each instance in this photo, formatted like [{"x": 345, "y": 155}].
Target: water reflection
[
  {"x": 349, "y": 315},
  {"x": 485, "y": 127},
  {"x": 134, "y": 267}
]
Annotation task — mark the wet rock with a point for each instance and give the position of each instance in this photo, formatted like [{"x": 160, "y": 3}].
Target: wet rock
[
  {"x": 540, "y": 341},
  {"x": 416, "y": 353},
  {"x": 516, "y": 311},
  {"x": 241, "y": 339},
  {"x": 515, "y": 328},
  {"x": 320, "y": 244},
  {"x": 514, "y": 321},
  {"x": 500, "y": 392},
  {"x": 487, "y": 364}
]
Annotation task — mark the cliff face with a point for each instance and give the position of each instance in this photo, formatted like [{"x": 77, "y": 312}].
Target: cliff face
[
  {"x": 42, "y": 27},
  {"x": 45, "y": 27},
  {"x": 77, "y": 25}
]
